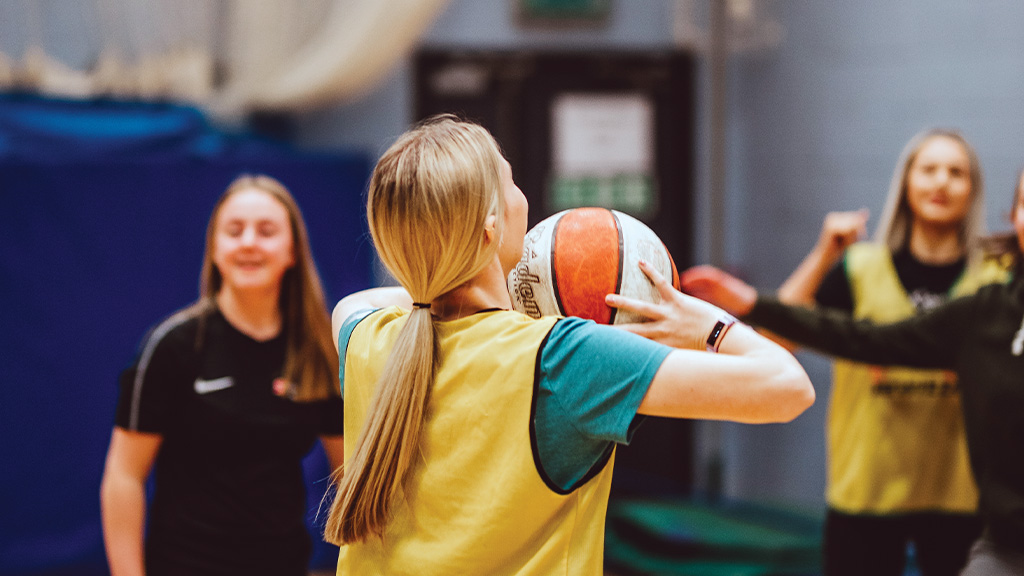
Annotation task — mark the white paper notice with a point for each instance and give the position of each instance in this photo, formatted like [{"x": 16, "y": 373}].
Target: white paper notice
[
  {"x": 602, "y": 135},
  {"x": 603, "y": 153}
]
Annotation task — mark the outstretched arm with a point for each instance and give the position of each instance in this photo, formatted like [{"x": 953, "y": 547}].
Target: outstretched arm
[
  {"x": 751, "y": 379},
  {"x": 929, "y": 340}
]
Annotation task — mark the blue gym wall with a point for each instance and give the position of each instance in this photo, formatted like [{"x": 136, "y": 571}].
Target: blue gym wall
[
  {"x": 103, "y": 211},
  {"x": 816, "y": 120}
]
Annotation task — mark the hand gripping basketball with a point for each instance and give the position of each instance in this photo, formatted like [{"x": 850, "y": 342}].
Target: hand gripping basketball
[
  {"x": 572, "y": 259},
  {"x": 679, "y": 320}
]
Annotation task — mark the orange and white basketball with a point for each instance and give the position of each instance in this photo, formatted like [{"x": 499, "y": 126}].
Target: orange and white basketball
[{"x": 572, "y": 259}]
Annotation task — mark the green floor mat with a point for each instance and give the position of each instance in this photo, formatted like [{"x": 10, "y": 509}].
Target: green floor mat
[{"x": 690, "y": 538}]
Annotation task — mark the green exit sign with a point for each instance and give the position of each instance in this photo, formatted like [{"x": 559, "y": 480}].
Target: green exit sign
[{"x": 565, "y": 10}]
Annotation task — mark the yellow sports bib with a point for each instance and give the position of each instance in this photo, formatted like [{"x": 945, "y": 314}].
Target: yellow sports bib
[
  {"x": 896, "y": 435},
  {"x": 475, "y": 503}
]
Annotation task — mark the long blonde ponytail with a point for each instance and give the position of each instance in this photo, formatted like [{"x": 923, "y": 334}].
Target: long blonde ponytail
[{"x": 429, "y": 198}]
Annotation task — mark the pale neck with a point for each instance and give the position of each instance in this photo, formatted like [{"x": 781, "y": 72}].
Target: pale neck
[
  {"x": 487, "y": 290},
  {"x": 254, "y": 313},
  {"x": 935, "y": 244}
]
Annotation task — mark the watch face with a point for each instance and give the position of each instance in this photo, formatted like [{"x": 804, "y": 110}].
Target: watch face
[{"x": 715, "y": 337}]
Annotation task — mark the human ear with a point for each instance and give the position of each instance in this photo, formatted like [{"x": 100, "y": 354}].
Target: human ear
[{"x": 489, "y": 225}]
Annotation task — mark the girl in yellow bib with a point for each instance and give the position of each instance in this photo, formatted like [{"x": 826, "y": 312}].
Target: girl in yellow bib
[
  {"x": 898, "y": 469},
  {"x": 479, "y": 440}
]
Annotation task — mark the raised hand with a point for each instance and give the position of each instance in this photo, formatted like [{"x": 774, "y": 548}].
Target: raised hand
[
  {"x": 719, "y": 288},
  {"x": 838, "y": 232},
  {"x": 841, "y": 229}
]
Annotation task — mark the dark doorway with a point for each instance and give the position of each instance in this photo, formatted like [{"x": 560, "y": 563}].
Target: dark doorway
[{"x": 522, "y": 98}]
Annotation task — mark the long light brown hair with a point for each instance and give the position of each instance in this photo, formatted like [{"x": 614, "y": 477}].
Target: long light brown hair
[
  {"x": 895, "y": 223},
  {"x": 429, "y": 198},
  {"x": 311, "y": 364}
]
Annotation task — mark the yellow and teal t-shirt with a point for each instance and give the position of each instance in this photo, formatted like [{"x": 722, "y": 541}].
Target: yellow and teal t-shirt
[{"x": 518, "y": 444}]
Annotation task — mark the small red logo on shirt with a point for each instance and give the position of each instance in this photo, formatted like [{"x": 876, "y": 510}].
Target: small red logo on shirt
[{"x": 280, "y": 386}]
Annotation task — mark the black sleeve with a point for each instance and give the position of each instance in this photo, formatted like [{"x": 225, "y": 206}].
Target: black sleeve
[
  {"x": 929, "y": 340},
  {"x": 835, "y": 291},
  {"x": 332, "y": 417},
  {"x": 152, "y": 387}
]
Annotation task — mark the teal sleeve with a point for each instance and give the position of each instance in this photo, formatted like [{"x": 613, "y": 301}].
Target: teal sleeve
[
  {"x": 344, "y": 334},
  {"x": 590, "y": 382}
]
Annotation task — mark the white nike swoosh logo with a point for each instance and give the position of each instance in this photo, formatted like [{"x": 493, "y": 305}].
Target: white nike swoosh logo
[{"x": 207, "y": 386}]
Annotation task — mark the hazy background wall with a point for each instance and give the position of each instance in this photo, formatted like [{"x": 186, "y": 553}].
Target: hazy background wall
[
  {"x": 822, "y": 120},
  {"x": 822, "y": 97}
]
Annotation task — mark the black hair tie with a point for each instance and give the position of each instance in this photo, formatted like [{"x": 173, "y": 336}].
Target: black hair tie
[{"x": 421, "y": 304}]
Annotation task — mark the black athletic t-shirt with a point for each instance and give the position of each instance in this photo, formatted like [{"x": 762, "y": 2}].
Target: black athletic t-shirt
[
  {"x": 229, "y": 494},
  {"x": 927, "y": 285}
]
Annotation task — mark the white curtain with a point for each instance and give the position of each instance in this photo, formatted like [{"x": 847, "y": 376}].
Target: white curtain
[{"x": 229, "y": 56}]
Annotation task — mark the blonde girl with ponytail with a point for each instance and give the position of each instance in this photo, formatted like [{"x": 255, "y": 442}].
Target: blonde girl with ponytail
[{"x": 477, "y": 439}]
